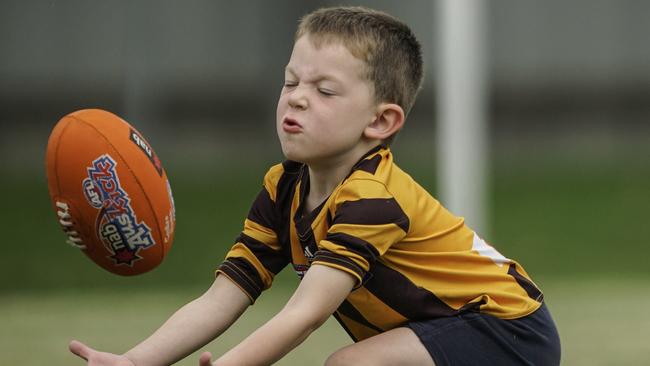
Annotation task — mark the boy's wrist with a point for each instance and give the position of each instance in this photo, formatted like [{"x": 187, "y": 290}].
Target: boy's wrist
[{"x": 129, "y": 357}]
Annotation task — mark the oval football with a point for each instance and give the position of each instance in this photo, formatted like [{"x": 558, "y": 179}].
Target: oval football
[{"x": 110, "y": 192}]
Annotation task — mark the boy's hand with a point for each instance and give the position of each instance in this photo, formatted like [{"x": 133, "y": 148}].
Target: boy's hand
[
  {"x": 96, "y": 358},
  {"x": 205, "y": 359}
]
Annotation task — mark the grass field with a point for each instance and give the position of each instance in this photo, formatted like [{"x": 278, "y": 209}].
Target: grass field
[
  {"x": 579, "y": 227},
  {"x": 602, "y": 322}
]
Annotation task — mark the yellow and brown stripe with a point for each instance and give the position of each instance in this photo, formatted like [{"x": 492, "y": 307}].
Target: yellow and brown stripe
[{"x": 411, "y": 257}]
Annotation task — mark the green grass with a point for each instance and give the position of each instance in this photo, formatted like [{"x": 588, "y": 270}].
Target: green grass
[
  {"x": 567, "y": 218},
  {"x": 601, "y": 322},
  {"x": 37, "y": 327}
]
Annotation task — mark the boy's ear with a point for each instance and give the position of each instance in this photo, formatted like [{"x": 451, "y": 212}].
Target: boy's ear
[{"x": 388, "y": 120}]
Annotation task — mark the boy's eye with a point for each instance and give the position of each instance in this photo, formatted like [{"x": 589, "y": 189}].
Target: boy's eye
[
  {"x": 290, "y": 84},
  {"x": 326, "y": 92}
]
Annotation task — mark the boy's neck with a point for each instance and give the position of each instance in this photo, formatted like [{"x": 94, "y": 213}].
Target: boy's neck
[
  {"x": 324, "y": 178},
  {"x": 322, "y": 183}
]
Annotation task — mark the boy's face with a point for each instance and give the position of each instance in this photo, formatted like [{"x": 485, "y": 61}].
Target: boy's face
[{"x": 325, "y": 104}]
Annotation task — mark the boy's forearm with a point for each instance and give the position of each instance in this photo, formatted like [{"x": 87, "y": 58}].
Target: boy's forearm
[
  {"x": 273, "y": 340},
  {"x": 319, "y": 294},
  {"x": 192, "y": 326}
]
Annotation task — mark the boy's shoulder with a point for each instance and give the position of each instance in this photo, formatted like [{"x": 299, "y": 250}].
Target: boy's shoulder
[
  {"x": 370, "y": 177},
  {"x": 287, "y": 171},
  {"x": 378, "y": 177}
]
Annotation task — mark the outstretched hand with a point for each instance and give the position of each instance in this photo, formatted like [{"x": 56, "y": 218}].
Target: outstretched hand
[
  {"x": 96, "y": 358},
  {"x": 205, "y": 359}
]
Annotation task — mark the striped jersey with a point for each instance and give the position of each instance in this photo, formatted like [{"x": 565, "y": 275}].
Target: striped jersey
[{"x": 412, "y": 259}]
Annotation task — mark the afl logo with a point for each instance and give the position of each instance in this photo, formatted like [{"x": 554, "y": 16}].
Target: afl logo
[{"x": 92, "y": 193}]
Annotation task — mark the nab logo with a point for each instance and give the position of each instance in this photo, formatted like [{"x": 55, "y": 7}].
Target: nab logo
[{"x": 146, "y": 148}]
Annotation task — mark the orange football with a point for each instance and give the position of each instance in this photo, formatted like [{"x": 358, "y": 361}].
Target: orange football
[{"x": 110, "y": 192}]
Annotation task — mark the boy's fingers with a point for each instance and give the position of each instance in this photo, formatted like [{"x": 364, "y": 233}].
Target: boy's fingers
[
  {"x": 80, "y": 349},
  {"x": 205, "y": 359}
]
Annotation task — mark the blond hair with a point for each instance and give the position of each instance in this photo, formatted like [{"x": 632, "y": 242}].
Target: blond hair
[{"x": 388, "y": 47}]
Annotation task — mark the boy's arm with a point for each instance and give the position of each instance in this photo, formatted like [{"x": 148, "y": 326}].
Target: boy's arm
[
  {"x": 319, "y": 294},
  {"x": 191, "y": 327}
]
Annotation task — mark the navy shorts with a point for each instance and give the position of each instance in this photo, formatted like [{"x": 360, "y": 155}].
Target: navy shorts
[{"x": 481, "y": 339}]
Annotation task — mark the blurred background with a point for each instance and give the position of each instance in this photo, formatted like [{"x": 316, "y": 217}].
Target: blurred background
[{"x": 568, "y": 167}]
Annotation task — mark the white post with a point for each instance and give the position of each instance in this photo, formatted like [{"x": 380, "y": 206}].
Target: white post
[{"x": 461, "y": 93}]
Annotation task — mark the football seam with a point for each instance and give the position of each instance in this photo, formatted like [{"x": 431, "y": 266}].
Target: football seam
[
  {"x": 162, "y": 255},
  {"x": 81, "y": 222}
]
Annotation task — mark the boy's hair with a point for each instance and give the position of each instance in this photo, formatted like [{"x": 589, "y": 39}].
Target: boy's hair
[{"x": 387, "y": 46}]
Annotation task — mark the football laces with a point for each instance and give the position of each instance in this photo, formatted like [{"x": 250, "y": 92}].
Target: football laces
[{"x": 63, "y": 211}]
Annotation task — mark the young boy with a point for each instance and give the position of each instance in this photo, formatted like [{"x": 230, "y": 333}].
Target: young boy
[{"x": 409, "y": 282}]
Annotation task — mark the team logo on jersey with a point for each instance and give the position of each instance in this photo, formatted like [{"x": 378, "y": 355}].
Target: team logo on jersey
[
  {"x": 140, "y": 142},
  {"x": 300, "y": 269},
  {"x": 116, "y": 224},
  {"x": 308, "y": 253}
]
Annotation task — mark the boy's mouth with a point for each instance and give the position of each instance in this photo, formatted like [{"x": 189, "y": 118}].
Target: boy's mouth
[{"x": 290, "y": 125}]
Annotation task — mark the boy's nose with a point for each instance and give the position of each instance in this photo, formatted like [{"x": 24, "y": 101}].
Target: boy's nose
[{"x": 298, "y": 100}]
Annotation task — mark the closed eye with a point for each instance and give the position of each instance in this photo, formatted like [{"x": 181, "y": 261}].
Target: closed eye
[
  {"x": 326, "y": 92},
  {"x": 290, "y": 84}
]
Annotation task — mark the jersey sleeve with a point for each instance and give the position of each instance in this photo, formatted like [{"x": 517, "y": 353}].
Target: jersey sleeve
[
  {"x": 366, "y": 221},
  {"x": 257, "y": 256}
]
